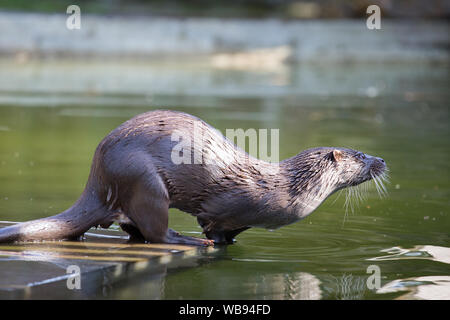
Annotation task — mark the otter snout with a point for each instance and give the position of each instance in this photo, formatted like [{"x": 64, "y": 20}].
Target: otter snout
[{"x": 378, "y": 166}]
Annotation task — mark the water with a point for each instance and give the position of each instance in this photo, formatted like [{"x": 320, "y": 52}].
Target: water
[{"x": 398, "y": 112}]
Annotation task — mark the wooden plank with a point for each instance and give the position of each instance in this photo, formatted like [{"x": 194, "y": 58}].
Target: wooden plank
[
  {"x": 56, "y": 250},
  {"x": 40, "y": 269}
]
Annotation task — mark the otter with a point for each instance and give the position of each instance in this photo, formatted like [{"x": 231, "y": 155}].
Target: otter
[{"x": 134, "y": 180}]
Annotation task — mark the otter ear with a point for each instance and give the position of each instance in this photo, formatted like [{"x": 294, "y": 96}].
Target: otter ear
[{"x": 336, "y": 155}]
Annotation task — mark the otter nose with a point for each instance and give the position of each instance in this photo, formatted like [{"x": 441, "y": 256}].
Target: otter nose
[{"x": 381, "y": 159}]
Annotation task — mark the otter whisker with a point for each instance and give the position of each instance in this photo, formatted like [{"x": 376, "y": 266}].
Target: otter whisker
[
  {"x": 347, "y": 204},
  {"x": 381, "y": 189},
  {"x": 365, "y": 187},
  {"x": 385, "y": 176},
  {"x": 383, "y": 186},
  {"x": 380, "y": 180},
  {"x": 374, "y": 178},
  {"x": 348, "y": 199},
  {"x": 360, "y": 192},
  {"x": 355, "y": 195},
  {"x": 338, "y": 196}
]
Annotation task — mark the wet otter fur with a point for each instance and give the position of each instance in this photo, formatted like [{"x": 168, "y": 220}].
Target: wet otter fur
[{"x": 134, "y": 181}]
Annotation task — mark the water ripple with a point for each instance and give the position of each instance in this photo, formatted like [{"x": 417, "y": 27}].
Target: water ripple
[
  {"x": 435, "y": 253},
  {"x": 429, "y": 288}
]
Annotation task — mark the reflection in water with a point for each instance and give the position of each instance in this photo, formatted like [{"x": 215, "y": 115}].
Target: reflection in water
[
  {"x": 435, "y": 253},
  {"x": 268, "y": 59},
  {"x": 426, "y": 287},
  {"x": 349, "y": 287},
  {"x": 429, "y": 288},
  {"x": 280, "y": 286},
  {"x": 293, "y": 286},
  {"x": 151, "y": 286}
]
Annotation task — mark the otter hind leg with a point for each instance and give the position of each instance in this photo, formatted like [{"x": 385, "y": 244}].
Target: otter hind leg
[
  {"x": 135, "y": 234},
  {"x": 175, "y": 237},
  {"x": 148, "y": 209}
]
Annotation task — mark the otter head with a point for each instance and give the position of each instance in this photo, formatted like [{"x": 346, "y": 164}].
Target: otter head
[
  {"x": 351, "y": 167},
  {"x": 314, "y": 174},
  {"x": 319, "y": 172}
]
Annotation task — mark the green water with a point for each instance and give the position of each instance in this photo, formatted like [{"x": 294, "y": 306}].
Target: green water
[{"x": 46, "y": 150}]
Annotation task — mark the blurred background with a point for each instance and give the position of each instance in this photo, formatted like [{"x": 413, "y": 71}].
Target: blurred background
[
  {"x": 156, "y": 50},
  {"x": 309, "y": 68},
  {"x": 283, "y": 9}
]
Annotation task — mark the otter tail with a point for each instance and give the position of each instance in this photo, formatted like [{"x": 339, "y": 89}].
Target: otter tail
[{"x": 87, "y": 212}]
